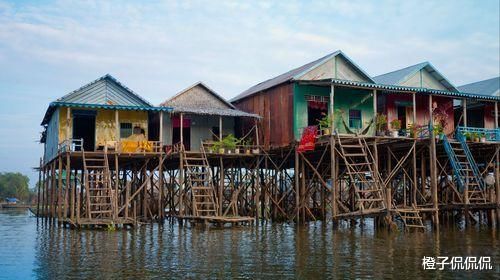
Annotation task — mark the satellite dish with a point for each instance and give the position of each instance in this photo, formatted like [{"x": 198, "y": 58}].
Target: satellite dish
[{"x": 489, "y": 180}]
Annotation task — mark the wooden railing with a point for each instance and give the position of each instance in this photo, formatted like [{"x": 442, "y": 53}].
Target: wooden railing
[{"x": 70, "y": 145}]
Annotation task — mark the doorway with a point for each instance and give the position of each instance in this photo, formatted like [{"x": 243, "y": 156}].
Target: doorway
[
  {"x": 405, "y": 115},
  {"x": 316, "y": 110},
  {"x": 84, "y": 128},
  {"x": 186, "y": 132}
]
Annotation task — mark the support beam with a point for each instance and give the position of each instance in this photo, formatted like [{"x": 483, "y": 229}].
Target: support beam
[
  {"x": 68, "y": 122},
  {"x": 220, "y": 128},
  {"x": 433, "y": 168},
  {"x": 161, "y": 128},
  {"x": 332, "y": 107},
  {"x": 464, "y": 111},
  {"x": 182, "y": 129},
  {"x": 496, "y": 115},
  {"x": 375, "y": 111},
  {"x": 414, "y": 109},
  {"x": 117, "y": 125}
]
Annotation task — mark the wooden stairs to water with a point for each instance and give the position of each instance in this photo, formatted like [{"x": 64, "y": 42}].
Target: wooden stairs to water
[
  {"x": 410, "y": 217},
  {"x": 367, "y": 184},
  {"x": 99, "y": 197},
  {"x": 199, "y": 181}
]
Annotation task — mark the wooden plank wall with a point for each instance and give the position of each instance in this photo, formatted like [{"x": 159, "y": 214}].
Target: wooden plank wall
[{"x": 275, "y": 105}]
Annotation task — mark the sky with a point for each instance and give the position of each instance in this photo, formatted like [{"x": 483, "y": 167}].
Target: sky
[{"x": 158, "y": 48}]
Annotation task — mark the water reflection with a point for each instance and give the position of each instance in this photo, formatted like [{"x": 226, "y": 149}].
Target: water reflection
[{"x": 269, "y": 250}]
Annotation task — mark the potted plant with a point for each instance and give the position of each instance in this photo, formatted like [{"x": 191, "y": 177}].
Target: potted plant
[
  {"x": 475, "y": 136},
  {"x": 483, "y": 138},
  {"x": 246, "y": 146},
  {"x": 229, "y": 143},
  {"x": 325, "y": 124},
  {"x": 438, "y": 131},
  {"x": 396, "y": 126},
  {"x": 380, "y": 124},
  {"x": 467, "y": 136},
  {"x": 413, "y": 130},
  {"x": 218, "y": 147}
]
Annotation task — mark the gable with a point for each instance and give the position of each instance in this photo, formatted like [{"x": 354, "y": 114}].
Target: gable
[
  {"x": 423, "y": 79},
  {"x": 197, "y": 97},
  {"x": 104, "y": 91},
  {"x": 336, "y": 67},
  {"x": 346, "y": 71}
]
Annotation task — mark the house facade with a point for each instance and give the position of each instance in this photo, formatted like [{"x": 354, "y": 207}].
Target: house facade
[{"x": 97, "y": 116}]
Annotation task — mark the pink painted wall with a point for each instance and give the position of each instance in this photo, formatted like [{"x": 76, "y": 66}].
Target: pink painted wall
[
  {"x": 443, "y": 103},
  {"x": 489, "y": 119}
]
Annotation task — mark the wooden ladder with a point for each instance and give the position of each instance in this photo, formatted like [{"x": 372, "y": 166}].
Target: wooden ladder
[
  {"x": 199, "y": 180},
  {"x": 99, "y": 194},
  {"x": 410, "y": 217},
  {"x": 367, "y": 183}
]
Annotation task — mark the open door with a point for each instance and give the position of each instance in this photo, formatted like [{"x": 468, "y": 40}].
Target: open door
[
  {"x": 84, "y": 128},
  {"x": 186, "y": 132},
  {"x": 316, "y": 110}
]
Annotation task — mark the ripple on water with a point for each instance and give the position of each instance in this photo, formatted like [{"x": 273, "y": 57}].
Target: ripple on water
[{"x": 36, "y": 250}]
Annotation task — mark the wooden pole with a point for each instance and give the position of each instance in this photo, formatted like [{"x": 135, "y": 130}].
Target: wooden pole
[
  {"x": 333, "y": 178},
  {"x": 182, "y": 129},
  {"x": 297, "y": 186},
  {"x": 181, "y": 183},
  {"x": 414, "y": 96},
  {"x": 374, "y": 111},
  {"x": 220, "y": 128},
  {"x": 497, "y": 183},
  {"x": 38, "y": 188},
  {"x": 117, "y": 126},
  {"x": 464, "y": 111},
  {"x": 256, "y": 132},
  {"x": 161, "y": 128},
  {"x": 433, "y": 169},
  {"x": 68, "y": 185},
  {"x": 59, "y": 189},
  {"x": 332, "y": 107},
  {"x": 68, "y": 123},
  {"x": 221, "y": 185},
  {"x": 496, "y": 116}
]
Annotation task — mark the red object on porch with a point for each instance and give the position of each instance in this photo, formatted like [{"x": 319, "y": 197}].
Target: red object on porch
[
  {"x": 176, "y": 122},
  {"x": 317, "y": 105},
  {"x": 308, "y": 139}
]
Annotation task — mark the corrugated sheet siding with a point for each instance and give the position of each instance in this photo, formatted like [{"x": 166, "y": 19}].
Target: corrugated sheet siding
[
  {"x": 104, "y": 91},
  {"x": 276, "y": 107},
  {"x": 52, "y": 139}
]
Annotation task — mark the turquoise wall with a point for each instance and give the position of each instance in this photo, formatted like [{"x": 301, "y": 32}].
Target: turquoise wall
[{"x": 344, "y": 99}]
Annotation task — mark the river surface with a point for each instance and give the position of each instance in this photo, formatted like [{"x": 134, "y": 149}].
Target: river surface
[{"x": 31, "y": 249}]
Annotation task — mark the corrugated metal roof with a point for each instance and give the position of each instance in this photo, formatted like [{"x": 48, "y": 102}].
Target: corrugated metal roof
[
  {"x": 105, "y": 90},
  {"x": 486, "y": 87},
  {"x": 399, "y": 76},
  {"x": 171, "y": 101},
  {"x": 417, "y": 90},
  {"x": 54, "y": 105},
  {"x": 213, "y": 112},
  {"x": 295, "y": 73}
]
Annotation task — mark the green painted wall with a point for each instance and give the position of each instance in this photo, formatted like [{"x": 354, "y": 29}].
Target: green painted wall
[{"x": 345, "y": 99}]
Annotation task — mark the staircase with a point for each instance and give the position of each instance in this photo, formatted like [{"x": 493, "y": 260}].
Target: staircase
[
  {"x": 369, "y": 195},
  {"x": 410, "y": 217},
  {"x": 465, "y": 169},
  {"x": 99, "y": 194},
  {"x": 198, "y": 179}
]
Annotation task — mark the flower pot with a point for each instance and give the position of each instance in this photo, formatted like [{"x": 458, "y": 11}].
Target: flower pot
[
  {"x": 248, "y": 151},
  {"x": 476, "y": 139},
  {"x": 381, "y": 133},
  {"x": 236, "y": 151},
  {"x": 326, "y": 131},
  {"x": 395, "y": 133},
  {"x": 255, "y": 151},
  {"x": 221, "y": 150},
  {"x": 483, "y": 139}
]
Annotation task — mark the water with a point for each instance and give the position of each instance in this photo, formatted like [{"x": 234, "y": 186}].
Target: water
[{"x": 31, "y": 250}]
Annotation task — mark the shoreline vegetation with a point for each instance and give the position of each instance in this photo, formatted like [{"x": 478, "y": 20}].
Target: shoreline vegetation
[{"x": 16, "y": 185}]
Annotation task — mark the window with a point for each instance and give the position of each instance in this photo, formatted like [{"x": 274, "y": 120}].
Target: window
[
  {"x": 125, "y": 130},
  {"x": 355, "y": 118}
]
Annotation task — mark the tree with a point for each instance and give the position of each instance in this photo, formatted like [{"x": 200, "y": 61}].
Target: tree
[{"x": 14, "y": 185}]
